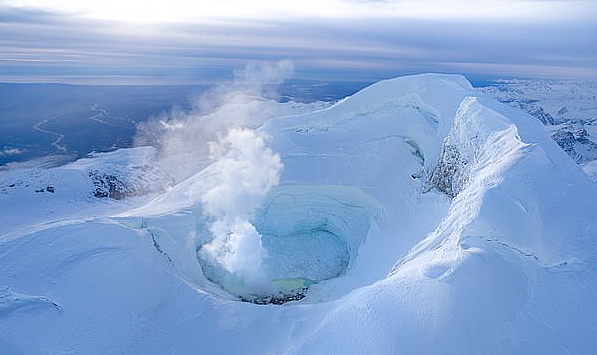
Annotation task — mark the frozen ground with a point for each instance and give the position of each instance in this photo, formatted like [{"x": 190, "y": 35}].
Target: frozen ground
[{"x": 417, "y": 216}]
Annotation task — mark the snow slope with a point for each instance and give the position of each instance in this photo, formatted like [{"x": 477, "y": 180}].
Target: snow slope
[
  {"x": 416, "y": 216},
  {"x": 39, "y": 193}
]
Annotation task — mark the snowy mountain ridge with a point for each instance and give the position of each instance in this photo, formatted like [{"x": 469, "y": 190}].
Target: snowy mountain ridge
[
  {"x": 566, "y": 108},
  {"x": 416, "y": 216}
]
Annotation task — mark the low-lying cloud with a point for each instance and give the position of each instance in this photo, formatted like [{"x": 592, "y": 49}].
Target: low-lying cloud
[{"x": 10, "y": 151}]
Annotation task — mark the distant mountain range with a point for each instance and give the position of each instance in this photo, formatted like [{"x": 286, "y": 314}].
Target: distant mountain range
[{"x": 567, "y": 108}]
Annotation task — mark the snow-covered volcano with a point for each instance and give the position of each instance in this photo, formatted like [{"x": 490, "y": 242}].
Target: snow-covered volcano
[{"x": 414, "y": 217}]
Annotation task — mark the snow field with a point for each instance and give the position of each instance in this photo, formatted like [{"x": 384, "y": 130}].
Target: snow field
[{"x": 504, "y": 261}]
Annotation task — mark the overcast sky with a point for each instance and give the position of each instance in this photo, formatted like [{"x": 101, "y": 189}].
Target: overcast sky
[{"x": 188, "y": 42}]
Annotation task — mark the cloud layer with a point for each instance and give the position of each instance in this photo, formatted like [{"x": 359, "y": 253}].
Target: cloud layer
[{"x": 370, "y": 41}]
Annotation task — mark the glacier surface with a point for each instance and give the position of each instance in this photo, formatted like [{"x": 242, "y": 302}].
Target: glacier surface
[{"x": 416, "y": 216}]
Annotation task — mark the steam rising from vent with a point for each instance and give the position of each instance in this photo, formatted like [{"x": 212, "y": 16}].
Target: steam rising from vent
[
  {"x": 217, "y": 137},
  {"x": 183, "y": 136},
  {"x": 246, "y": 170}
]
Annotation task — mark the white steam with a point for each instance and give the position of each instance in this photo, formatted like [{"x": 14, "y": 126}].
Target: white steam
[
  {"x": 246, "y": 170},
  {"x": 217, "y": 137},
  {"x": 246, "y": 102}
]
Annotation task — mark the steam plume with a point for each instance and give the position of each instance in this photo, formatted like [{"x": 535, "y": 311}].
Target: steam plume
[
  {"x": 183, "y": 138},
  {"x": 246, "y": 172},
  {"x": 219, "y": 131}
]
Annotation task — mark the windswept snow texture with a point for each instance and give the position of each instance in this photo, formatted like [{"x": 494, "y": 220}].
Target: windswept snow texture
[{"x": 418, "y": 216}]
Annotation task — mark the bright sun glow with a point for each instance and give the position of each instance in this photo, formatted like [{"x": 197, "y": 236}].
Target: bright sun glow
[{"x": 193, "y": 11}]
